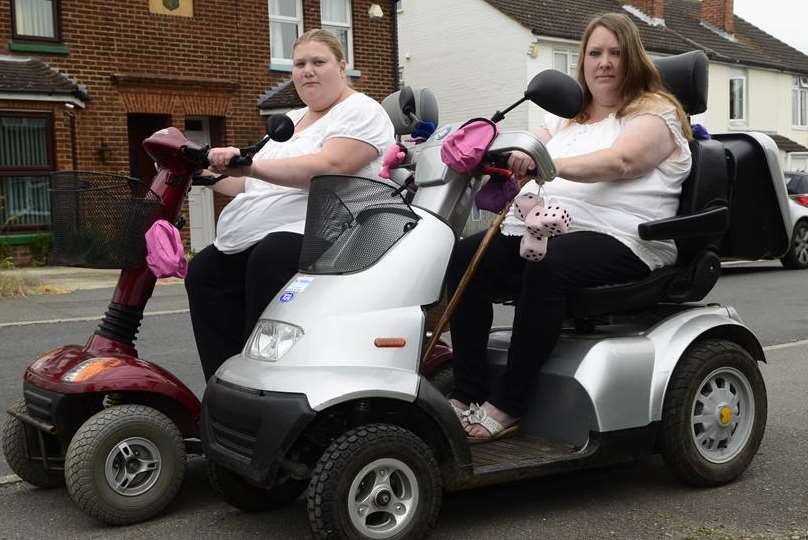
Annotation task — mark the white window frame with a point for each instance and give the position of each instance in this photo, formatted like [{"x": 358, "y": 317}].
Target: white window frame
[
  {"x": 569, "y": 53},
  {"x": 799, "y": 114},
  {"x": 349, "y": 58},
  {"x": 279, "y": 60},
  {"x": 744, "y": 99}
]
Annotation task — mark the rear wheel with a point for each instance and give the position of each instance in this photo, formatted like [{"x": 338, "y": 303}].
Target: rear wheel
[
  {"x": 377, "y": 481},
  {"x": 797, "y": 256},
  {"x": 125, "y": 464},
  {"x": 238, "y": 492},
  {"x": 21, "y": 448},
  {"x": 714, "y": 414}
]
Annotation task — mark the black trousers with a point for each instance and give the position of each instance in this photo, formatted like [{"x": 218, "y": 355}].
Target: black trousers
[
  {"x": 228, "y": 293},
  {"x": 573, "y": 261}
]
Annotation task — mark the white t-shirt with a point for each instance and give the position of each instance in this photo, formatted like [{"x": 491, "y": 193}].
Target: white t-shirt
[
  {"x": 264, "y": 207},
  {"x": 614, "y": 208}
]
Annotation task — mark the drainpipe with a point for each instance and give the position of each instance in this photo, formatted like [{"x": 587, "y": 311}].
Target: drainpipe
[{"x": 394, "y": 37}]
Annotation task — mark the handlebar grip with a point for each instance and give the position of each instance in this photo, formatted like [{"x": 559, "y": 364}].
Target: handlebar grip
[{"x": 240, "y": 161}]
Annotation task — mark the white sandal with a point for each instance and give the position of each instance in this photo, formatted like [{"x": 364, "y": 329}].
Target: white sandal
[
  {"x": 496, "y": 430},
  {"x": 462, "y": 414}
]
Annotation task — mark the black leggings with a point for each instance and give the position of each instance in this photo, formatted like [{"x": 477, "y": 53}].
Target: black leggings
[
  {"x": 228, "y": 293},
  {"x": 573, "y": 261}
]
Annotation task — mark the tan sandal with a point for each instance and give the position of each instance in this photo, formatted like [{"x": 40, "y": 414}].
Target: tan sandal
[{"x": 464, "y": 414}]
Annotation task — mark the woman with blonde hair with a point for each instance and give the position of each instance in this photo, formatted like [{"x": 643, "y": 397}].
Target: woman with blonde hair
[
  {"x": 619, "y": 163},
  {"x": 260, "y": 232}
]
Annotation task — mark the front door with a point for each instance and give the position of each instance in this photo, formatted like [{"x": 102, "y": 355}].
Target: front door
[
  {"x": 140, "y": 127},
  {"x": 200, "y": 199}
]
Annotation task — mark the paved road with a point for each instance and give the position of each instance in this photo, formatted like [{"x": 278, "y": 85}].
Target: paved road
[{"x": 642, "y": 501}]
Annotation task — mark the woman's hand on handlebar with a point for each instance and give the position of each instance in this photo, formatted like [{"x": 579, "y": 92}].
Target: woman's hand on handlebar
[
  {"x": 522, "y": 166},
  {"x": 219, "y": 161}
]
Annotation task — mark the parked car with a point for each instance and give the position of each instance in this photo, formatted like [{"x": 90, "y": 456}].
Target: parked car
[{"x": 797, "y": 187}]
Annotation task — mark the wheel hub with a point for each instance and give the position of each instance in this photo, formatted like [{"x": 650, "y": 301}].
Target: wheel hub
[
  {"x": 723, "y": 414},
  {"x": 132, "y": 466},
  {"x": 383, "y": 498}
]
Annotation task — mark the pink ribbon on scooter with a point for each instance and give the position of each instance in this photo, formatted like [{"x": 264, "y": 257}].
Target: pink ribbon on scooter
[{"x": 165, "y": 253}]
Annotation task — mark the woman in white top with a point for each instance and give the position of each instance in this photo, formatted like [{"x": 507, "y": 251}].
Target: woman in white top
[
  {"x": 260, "y": 232},
  {"x": 620, "y": 162}
]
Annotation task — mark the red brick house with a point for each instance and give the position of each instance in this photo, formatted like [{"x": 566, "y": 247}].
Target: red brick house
[{"x": 82, "y": 82}]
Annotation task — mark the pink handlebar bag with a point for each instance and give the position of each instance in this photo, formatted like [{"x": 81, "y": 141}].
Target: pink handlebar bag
[{"x": 165, "y": 253}]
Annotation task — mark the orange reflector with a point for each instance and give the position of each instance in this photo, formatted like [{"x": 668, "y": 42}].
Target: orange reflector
[{"x": 383, "y": 342}]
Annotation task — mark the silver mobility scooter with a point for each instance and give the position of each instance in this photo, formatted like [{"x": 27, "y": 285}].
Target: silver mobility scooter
[{"x": 327, "y": 393}]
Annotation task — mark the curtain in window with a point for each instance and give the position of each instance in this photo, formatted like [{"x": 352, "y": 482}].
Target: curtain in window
[
  {"x": 283, "y": 8},
  {"x": 736, "y": 106},
  {"x": 34, "y": 18},
  {"x": 283, "y": 36},
  {"x": 335, "y": 11},
  {"x": 24, "y": 200},
  {"x": 23, "y": 142}
]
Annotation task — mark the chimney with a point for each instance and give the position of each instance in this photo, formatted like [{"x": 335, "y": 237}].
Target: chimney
[
  {"x": 718, "y": 13},
  {"x": 650, "y": 11}
]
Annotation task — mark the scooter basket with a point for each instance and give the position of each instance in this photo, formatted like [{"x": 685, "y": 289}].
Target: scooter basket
[
  {"x": 99, "y": 220},
  {"x": 351, "y": 222}
]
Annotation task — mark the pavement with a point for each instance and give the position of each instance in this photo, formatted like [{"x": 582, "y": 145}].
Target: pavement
[{"x": 68, "y": 279}]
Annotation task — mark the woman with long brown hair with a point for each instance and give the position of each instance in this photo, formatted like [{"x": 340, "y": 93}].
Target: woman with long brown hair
[{"x": 619, "y": 163}]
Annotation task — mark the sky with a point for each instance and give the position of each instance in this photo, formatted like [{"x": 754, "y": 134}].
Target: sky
[{"x": 787, "y": 20}]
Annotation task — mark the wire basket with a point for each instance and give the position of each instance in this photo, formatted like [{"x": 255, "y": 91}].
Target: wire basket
[
  {"x": 100, "y": 220},
  {"x": 351, "y": 222}
]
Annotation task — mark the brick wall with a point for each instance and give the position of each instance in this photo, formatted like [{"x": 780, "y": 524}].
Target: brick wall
[
  {"x": 215, "y": 63},
  {"x": 652, "y": 8},
  {"x": 718, "y": 13}
]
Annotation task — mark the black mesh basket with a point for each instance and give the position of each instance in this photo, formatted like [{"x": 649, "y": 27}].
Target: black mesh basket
[
  {"x": 350, "y": 223},
  {"x": 99, "y": 220}
]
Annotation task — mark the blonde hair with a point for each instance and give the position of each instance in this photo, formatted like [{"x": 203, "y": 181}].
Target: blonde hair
[
  {"x": 324, "y": 37},
  {"x": 642, "y": 87}
]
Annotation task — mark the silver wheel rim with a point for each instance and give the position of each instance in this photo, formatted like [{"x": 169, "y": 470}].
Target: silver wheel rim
[
  {"x": 801, "y": 244},
  {"x": 722, "y": 415},
  {"x": 133, "y": 466},
  {"x": 383, "y": 498}
]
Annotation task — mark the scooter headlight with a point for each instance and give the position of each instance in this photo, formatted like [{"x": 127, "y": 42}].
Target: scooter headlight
[
  {"x": 271, "y": 340},
  {"x": 90, "y": 368}
]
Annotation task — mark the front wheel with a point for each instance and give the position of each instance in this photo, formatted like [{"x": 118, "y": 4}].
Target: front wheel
[
  {"x": 377, "y": 481},
  {"x": 125, "y": 464},
  {"x": 20, "y": 443},
  {"x": 714, "y": 414},
  {"x": 797, "y": 256}
]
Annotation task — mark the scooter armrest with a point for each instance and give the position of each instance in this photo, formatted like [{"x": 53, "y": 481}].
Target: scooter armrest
[{"x": 706, "y": 223}]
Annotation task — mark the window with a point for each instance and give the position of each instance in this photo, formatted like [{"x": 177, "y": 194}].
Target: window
[
  {"x": 737, "y": 98},
  {"x": 566, "y": 61},
  {"x": 335, "y": 16},
  {"x": 26, "y": 160},
  {"x": 799, "y": 102},
  {"x": 286, "y": 24},
  {"x": 36, "y": 20}
]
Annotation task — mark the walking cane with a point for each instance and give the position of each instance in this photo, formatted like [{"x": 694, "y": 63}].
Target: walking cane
[{"x": 467, "y": 275}]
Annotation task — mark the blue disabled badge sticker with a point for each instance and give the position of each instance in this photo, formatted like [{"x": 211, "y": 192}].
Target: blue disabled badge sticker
[{"x": 287, "y": 297}]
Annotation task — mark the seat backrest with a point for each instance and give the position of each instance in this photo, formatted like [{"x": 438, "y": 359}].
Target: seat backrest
[{"x": 759, "y": 216}]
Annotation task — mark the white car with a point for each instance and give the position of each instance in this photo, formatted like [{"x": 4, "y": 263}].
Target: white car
[{"x": 797, "y": 186}]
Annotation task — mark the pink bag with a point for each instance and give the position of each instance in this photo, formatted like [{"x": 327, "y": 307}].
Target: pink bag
[
  {"x": 165, "y": 253},
  {"x": 464, "y": 149},
  {"x": 392, "y": 159}
]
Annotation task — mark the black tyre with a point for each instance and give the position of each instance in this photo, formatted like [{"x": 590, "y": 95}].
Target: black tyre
[
  {"x": 714, "y": 414},
  {"x": 125, "y": 464},
  {"x": 443, "y": 380},
  {"x": 19, "y": 440},
  {"x": 797, "y": 256},
  {"x": 238, "y": 492},
  {"x": 376, "y": 481}
]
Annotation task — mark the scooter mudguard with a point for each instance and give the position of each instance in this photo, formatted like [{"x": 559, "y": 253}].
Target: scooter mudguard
[{"x": 73, "y": 370}]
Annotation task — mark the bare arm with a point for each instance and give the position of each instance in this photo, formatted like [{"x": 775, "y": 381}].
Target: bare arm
[
  {"x": 229, "y": 186},
  {"x": 645, "y": 142},
  {"x": 338, "y": 156}
]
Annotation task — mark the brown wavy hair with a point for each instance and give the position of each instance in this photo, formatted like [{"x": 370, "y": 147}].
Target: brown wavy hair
[{"x": 642, "y": 86}]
